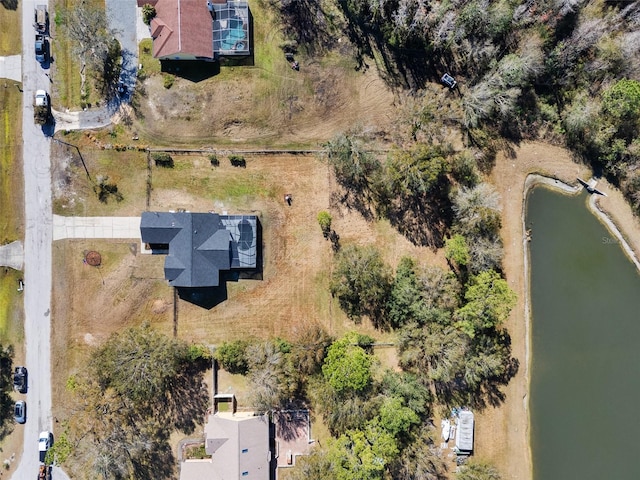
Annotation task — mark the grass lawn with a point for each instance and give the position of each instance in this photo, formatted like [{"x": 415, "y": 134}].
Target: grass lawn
[
  {"x": 11, "y": 209},
  {"x": 150, "y": 65},
  {"x": 76, "y": 194},
  {"x": 67, "y": 89},
  {"x": 10, "y": 23}
]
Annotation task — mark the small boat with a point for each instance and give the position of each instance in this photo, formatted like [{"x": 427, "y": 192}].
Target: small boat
[{"x": 446, "y": 430}]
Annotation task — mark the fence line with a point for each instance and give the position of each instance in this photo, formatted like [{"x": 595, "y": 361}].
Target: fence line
[{"x": 212, "y": 151}]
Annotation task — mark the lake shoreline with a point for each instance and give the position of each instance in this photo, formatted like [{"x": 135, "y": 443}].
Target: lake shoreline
[{"x": 502, "y": 432}]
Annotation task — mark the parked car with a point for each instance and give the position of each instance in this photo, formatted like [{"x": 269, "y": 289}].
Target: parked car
[
  {"x": 20, "y": 379},
  {"x": 41, "y": 108},
  {"x": 448, "y": 81},
  {"x": 42, "y": 48},
  {"x": 45, "y": 441},
  {"x": 45, "y": 472},
  {"x": 20, "y": 411}
]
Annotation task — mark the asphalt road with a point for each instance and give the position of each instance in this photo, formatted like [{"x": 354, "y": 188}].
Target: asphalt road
[
  {"x": 37, "y": 256},
  {"x": 39, "y": 221}
]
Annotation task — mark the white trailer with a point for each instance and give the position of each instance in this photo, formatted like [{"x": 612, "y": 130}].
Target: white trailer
[{"x": 464, "y": 436}]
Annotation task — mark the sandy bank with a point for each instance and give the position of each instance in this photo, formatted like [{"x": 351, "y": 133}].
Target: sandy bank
[{"x": 502, "y": 432}]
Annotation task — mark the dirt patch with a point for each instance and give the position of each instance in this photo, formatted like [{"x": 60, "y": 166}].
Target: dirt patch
[
  {"x": 128, "y": 288},
  {"x": 281, "y": 107}
]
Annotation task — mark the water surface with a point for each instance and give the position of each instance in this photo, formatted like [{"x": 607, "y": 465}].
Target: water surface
[{"x": 585, "y": 376}]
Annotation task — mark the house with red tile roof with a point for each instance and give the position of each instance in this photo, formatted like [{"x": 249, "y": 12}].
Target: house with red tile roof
[{"x": 199, "y": 29}]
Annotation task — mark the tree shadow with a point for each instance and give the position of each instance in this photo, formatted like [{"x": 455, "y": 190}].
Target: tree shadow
[
  {"x": 290, "y": 423},
  {"x": 423, "y": 220},
  {"x": 10, "y": 4},
  {"x": 6, "y": 388},
  {"x": 353, "y": 201},
  {"x": 400, "y": 68},
  {"x": 156, "y": 462},
  {"x": 185, "y": 403},
  {"x": 307, "y": 23}
]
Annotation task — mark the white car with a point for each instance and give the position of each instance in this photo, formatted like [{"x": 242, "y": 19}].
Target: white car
[
  {"x": 42, "y": 99},
  {"x": 45, "y": 441}
]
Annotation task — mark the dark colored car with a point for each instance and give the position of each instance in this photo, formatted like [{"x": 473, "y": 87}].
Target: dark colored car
[
  {"x": 121, "y": 88},
  {"x": 20, "y": 411},
  {"x": 42, "y": 49},
  {"x": 20, "y": 379},
  {"x": 45, "y": 472}
]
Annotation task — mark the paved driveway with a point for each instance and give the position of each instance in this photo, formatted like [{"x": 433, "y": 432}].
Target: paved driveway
[
  {"x": 95, "y": 227},
  {"x": 11, "y": 255},
  {"x": 11, "y": 67}
]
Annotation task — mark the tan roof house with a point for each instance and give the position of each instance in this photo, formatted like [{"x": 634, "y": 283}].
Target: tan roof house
[{"x": 239, "y": 447}]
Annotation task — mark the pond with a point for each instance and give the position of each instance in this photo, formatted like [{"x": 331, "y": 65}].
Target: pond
[{"x": 585, "y": 327}]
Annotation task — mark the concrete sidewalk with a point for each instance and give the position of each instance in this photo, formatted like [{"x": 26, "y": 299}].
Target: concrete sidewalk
[
  {"x": 12, "y": 255},
  {"x": 96, "y": 227},
  {"x": 11, "y": 67}
]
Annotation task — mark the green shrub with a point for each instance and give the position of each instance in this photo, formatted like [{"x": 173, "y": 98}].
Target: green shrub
[
  {"x": 324, "y": 219},
  {"x": 162, "y": 159},
  {"x": 199, "y": 353},
  {"x": 214, "y": 160},
  {"x": 148, "y": 13},
  {"x": 237, "y": 161},
  {"x": 233, "y": 356},
  {"x": 168, "y": 80}
]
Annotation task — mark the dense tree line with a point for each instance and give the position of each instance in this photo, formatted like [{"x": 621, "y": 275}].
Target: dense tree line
[
  {"x": 567, "y": 71},
  {"x": 136, "y": 390}
]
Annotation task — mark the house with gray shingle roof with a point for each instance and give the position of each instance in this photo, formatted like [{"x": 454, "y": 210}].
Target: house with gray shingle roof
[{"x": 200, "y": 245}]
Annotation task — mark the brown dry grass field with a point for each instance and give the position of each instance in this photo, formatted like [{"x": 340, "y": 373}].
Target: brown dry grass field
[
  {"x": 294, "y": 288},
  {"x": 128, "y": 289},
  {"x": 91, "y": 303},
  {"x": 10, "y": 23},
  {"x": 265, "y": 106}
]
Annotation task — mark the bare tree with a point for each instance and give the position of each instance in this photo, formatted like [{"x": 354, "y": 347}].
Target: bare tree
[
  {"x": 474, "y": 207},
  {"x": 486, "y": 253},
  {"x": 93, "y": 40}
]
